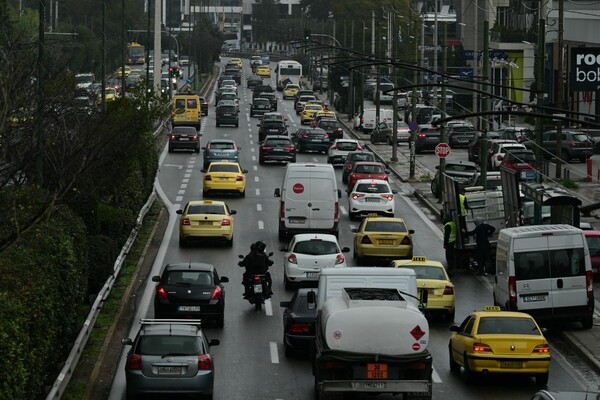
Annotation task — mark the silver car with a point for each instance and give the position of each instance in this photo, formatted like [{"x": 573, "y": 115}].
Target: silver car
[
  {"x": 340, "y": 148},
  {"x": 302, "y": 100},
  {"x": 169, "y": 357}
]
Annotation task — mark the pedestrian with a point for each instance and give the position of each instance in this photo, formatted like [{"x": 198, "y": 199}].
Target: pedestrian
[
  {"x": 450, "y": 243},
  {"x": 482, "y": 233}
]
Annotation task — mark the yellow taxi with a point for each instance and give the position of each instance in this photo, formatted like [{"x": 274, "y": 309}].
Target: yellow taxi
[
  {"x": 119, "y": 71},
  {"x": 187, "y": 110},
  {"x": 382, "y": 237},
  {"x": 290, "y": 90},
  {"x": 238, "y": 62},
  {"x": 325, "y": 114},
  {"x": 224, "y": 177},
  {"x": 495, "y": 341},
  {"x": 310, "y": 109},
  {"x": 110, "y": 94},
  {"x": 432, "y": 276},
  {"x": 205, "y": 219},
  {"x": 263, "y": 70}
]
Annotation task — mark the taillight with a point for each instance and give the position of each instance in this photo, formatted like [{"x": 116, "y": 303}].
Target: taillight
[
  {"x": 172, "y": 114},
  {"x": 571, "y": 144},
  {"x": 292, "y": 259},
  {"x": 173, "y": 138},
  {"x": 366, "y": 240},
  {"x": 257, "y": 278},
  {"x": 406, "y": 240},
  {"x": 207, "y": 178},
  {"x": 356, "y": 196},
  {"x": 265, "y": 148},
  {"x": 300, "y": 328},
  {"x": 325, "y": 136},
  {"x": 289, "y": 148},
  {"x": 389, "y": 197},
  {"x": 336, "y": 214},
  {"x": 185, "y": 221},
  {"x": 542, "y": 348},
  {"x": 339, "y": 259},
  {"x": 226, "y": 222},
  {"x": 448, "y": 290},
  {"x": 195, "y": 138},
  {"x": 282, "y": 210},
  {"x": 349, "y": 166},
  {"x": 422, "y": 135},
  {"x": 359, "y": 147},
  {"x": 135, "y": 361},
  {"x": 239, "y": 178},
  {"x": 353, "y": 176},
  {"x": 589, "y": 284},
  {"x": 161, "y": 293},
  {"x": 217, "y": 294},
  {"x": 305, "y": 135},
  {"x": 334, "y": 147},
  {"x": 481, "y": 347},
  {"x": 512, "y": 289},
  {"x": 204, "y": 362}
]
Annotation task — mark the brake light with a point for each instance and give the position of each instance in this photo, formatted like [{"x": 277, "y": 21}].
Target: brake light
[
  {"x": 226, "y": 222},
  {"x": 239, "y": 178},
  {"x": 499, "y": 157},
  {"x": 265, "y": 148},
  {"x": 172, "y": 114},
  {"x": 571, "y": 144},
  {"x": 353, "y": 176},
  {"x": 422, "y": 135},
  {"x": 207, "y": 178},
  {"x": 366, "y": 240},
  {"x": 217, "y": 294},
  {"x": 185, "y": 221},
  {"x": 339, "y": 259},
  {"x": 173, "y": 138},
  {"x": 325, "y": 136},
  {"x": 542, "y": 348},
  {"x": 349, "y": 166},
  {"x": 448, "y": 290},
  {"x": 292, "y": 259},
  {"x": 406, "y": 240},
  {"x": 359, "y": 147},
  {"x": 589, "y": 284},
  {"x": 257, "y": 278},
  {"x": 340, "y": 130},
  {"x": 135, "y": 361},
  {"x": 161, "y": 293},
  {"x": 204, "y": 362},
  {"x": 300, "y": 328},
  {"x": 334, "y": 147},
  {"x": 389, "y": 197},
  {"x": 336, "y": 214},
  {"x": 305, "y": 135},
  {"x": 512, "y": 289},
  {"x": 289, "y": 148},
  {"x": 195, "y": 138},
  {"x": 356, "y": 196},
  {"x": 481, "y": 347}
]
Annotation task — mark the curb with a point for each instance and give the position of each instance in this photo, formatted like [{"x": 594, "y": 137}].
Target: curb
[{"x": 579, "y": 348}]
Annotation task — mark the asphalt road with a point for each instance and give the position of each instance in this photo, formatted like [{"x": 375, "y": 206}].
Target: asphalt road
[{"x": 250, "y": 363}]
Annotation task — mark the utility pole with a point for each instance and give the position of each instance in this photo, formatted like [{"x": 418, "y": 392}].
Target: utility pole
[
  {"x": 443, "y": 138},
  {"x": 435, "y": 53},
  {"x": 476, "y": 62},
  {"x": 484, "y": 126},
  {"x": 40, "y": 88},
  {"x": 103, "y": 57},
  {"x": 148, "y": 84},
  {"x": 330, "y": 69},
  {"x": 413, "y": 134},
  {"x": 539, "y": 86},
  {"x": 559, "y": 88},
  {"x": 123, "y": 49},
  {"x": 190, "y": 38},
  {"x": 351, "y": 89},
  {"x": 157, "y": 45},
  {"x": 392, "y": 32}
]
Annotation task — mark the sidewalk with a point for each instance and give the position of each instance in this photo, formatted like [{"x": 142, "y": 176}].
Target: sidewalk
[{"x": 585, "y": 342}]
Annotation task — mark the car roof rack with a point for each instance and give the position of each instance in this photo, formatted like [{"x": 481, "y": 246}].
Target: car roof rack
[{"x": 191, "y": 322}]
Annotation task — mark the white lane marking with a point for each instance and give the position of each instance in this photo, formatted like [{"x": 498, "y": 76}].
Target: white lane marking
[
  {"x": 183, "y": 186},
  {"x": 181, "y": 192},
  {"x": 252, "y": 149},
  {"x": 436, "y": 377},
  {"x": 274, "y": 355},
  {"x": 179, "y": 198},
  {"x": 252, "y": 142},
  {"x": 253, "y": 158},
  {"x": 250, "y": 136},
  {"x": 261, "y": 225},
  {"x": 343, "y": 210},
  {"x": 257, "y": 192},
  {"x": 174, "y": 165},
  {"x": 256, "y": 179},
  {"x": 268, "y": 308},
  {"x": 255, "y": 167},
  {"x": 185, "y": 180},
  {"x": 258, "y": 207},
  {"x": 187, "y": 175},
  {"x": 189, "y": 170}
]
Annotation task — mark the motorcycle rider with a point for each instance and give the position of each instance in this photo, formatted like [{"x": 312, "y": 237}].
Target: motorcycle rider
[{"x": 256, "y": 262}]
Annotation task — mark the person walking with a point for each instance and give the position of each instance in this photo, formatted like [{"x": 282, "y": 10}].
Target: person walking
[
  {"x": 482, "y": 233},
  {"x": 450, "y": 243}
]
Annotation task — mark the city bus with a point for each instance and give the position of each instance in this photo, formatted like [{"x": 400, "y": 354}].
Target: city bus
[
  {"x": 136, "y": 54},
  {"x": 289, "y": 69}
]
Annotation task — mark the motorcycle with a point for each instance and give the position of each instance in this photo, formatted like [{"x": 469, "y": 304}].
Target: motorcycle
[{"x": 258, "y": 287}]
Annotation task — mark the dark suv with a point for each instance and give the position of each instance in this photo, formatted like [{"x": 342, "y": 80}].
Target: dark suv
[
  {"x": 269, "y": 96},
  {"x": 460, "y": 136},
  {"x": 427, "y": 138},
  {"x": 227, "y": 114},
  {"x": 184, "y": 138},
  {"x": 259, "y": 106},
  {"x": 332, "y": 127},
  {"x": 271, "y": 127},
  {"x": 235, "y": 73},
  {"x": 277, "y": 148},
  {"x": 574, "y": 144},
  {"x": 315, "y": 139},
  {"x": 258, "y": 89}
]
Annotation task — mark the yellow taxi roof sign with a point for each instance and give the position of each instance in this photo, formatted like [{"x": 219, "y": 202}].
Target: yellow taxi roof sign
[
  {"x": 419, "y": 258},
  {"x": 492, "y": 308},
  {"x": 207, "y": 201}
]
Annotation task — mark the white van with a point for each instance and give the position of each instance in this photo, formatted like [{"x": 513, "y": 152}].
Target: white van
[
  {"x": 546, "y": 271},
  {"x": 369, "y": 117},
  {"x": 309, "y": 200}
]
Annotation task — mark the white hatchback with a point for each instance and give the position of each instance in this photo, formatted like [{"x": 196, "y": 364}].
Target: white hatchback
[
  {"x": 371, "y": 196},
  {"x": 340, "y": 148},
  {"x": 307, "y": 254}
]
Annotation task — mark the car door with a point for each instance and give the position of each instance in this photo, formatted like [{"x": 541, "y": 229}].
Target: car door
[
  {"x": 567, "y": 271},
  {"x": 532, "y": 274},
  {"x": 460, "y": 342}
]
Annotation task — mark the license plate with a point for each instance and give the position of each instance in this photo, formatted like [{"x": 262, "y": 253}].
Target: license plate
[
  {"x": 205, "y": 223},
  {"x": 257, "y": 288},
  {"x": 312, "y": 274},
  {"x": 296, "y": 220},
  {"x": 372, "y": 200},
  {"x": 184, "y": 139},
  {"x": 377, "y": 371},
  {"x": 189, "y": 308},
  {"x": 278, "y": 150},
  {"x": 511, "y": 364},
  {"x": 223, "y": 179},
  {"x": 169, "y": 370},
  {"x": 432, "y": 138},
  {"x": 227, "y": 115},
  {"x": 529, "y": 299},
  {"x": 385, "y": 241},
  {"x": 374, "y": 385}
]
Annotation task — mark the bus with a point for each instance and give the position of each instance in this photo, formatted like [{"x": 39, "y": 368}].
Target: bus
[
  {"x": 136, "y": 54},
  {"x": 289, "y": 69}
]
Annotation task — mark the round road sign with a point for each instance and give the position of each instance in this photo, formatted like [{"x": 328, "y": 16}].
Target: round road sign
[{"x": 442, "y": 150}]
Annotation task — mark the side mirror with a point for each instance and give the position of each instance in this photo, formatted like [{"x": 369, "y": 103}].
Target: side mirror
[
  {"x": 277, "y": 192},
  {"x": 156, "y": 278},
  {"x": 387, "y": 172},
  {"x": 245, "y": 171},
  {"x": 270, "y": 254},
  {"x": 282, "y": 248},
  {"x": 345, "y": 249},
  {"x": 232, "y": 212},
  {"x": 339, "y": 193},
  {"x": 411, "y": 231},
  {"x": 180, "y": 212},
  {"x": 126, "y": 342},
  {"x": 241, "y": 256},
  {"x": 423, "y": 299},
  {"x": 203, "y": 170},
  {"x": 394, "y": 191},
  {"x": 284, "y": 304},
  {"x": 454, "y": 328},
  {"x": 354, "y": 230},
  {"x": 224, "y": 279},
  {"x": 214, "y": 342},
  {"x": 437, "y": 167}
]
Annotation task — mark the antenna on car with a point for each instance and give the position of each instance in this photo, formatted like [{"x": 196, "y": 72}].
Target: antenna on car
[{"x": 190, "y": 264}]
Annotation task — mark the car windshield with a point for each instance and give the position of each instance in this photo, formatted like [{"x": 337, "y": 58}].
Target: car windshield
[
  {"x": 385, "y": 226},
  {"x": 369, "y": 169},
  {"x": 178, "y": 130},
  {"x": 507, "y": 326},
  {"x": 272, "y": 117},
  {"x": 347, "y": 146},
  {"x": 227, "y": 109},
  {"x": 189, "y": 278},
  {"x": 316, "y": 247},
  {"x": 217, "y": 209},
  {"x": 159, "y": 345},
  {"x": 261, "y": 101},
  {"x": 223, "y": 168},
  {"x": 372, "y": 188},
  {"x": 427, "y": 272},
  {"x": 221, "y": 146},
  {"x": 461, "y": 168},
  {"x": 273, "y": 124}
]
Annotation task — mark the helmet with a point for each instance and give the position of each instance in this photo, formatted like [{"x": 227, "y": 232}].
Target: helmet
[{"x": 259, "y": 246}]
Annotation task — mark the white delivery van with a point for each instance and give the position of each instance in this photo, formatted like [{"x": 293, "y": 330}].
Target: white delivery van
[
  {"x": 369, "y": 117},
  {"x": 545, "y": 271},
  {"x": 309, "y": 200}
]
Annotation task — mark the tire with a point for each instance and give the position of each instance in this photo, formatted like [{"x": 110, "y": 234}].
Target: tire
[
  {"x": 218, "y": 124},
  {"x": 287, "y": 350},
  {"x": 261, "y": 161},
  {"x": 251, "y": 114},
  {"x": 567, "y": 156},
  {"x": 237, "y": 124},
  {"x": 196, "y": 150},
  {"x": 454, "y": 366},
  {"x": 286, "y": 283},
  {"x": 220, "y": 321},
  {"x": 170, "y": 150},
  {"x": 469, "y": 374},
  {"x": 243, "y": 194},
  {"x": 418, "y": 150},
  {"x": 257, "y": 306},
  {"x": 587, "y": 322},
  {"x": 282, "y": 236},
  {"x": 450, "y": 315},
  {"x": 541, "y": 379},
  {"x": 182, "y": 242},
  {"x": 229, "y": 243},
  {"x": 204, "y": 193},
  {"x": 328, "y": 160},
  {"x": 344, "y": 178}
]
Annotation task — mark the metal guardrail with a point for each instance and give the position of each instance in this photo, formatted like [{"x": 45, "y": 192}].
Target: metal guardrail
[{"x": 64, "y": 377}]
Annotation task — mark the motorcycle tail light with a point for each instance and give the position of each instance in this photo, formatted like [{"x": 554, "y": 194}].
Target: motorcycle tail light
[{"x": 257, "y": 278}]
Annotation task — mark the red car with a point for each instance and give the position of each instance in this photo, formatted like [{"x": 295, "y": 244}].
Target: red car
[
  {"x": 521, "y": 161},
  {"x": 366, "y": 170},
  {"x": 593, "y": 242}
]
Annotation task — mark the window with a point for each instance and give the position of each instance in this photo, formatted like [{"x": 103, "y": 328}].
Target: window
[
  {"x": 347, "y": 146},
  {"x": 206, "y": 209},
  {"x": 426, "y": 272},
  {"x": 189, "y": 278},
  {"x": 469, "y": 326},
  {"x": 373, "y": 188},
  {"x": 316, "y": 247},
  {"x": 593, "y": 243},
  {"x": 385, "y": 226},
  {"x": 531, "y": 265},
  {"x": 156, "y": 345},
  {"x": 567, "y": 263},
  {"x": 192, "y": 103},
  {"x": 510, "y": 326},
  {"x": 180, "y": 103},
  {"x": 223, "y": 168}
]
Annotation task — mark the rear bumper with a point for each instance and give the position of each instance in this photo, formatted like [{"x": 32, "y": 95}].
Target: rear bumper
[{"x": 138, "y": 384}]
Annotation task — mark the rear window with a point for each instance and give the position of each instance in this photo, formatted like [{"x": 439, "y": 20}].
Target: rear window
[
  {"x": 385, "y": 226},
  {"x": 223, "y": 168},
  {"x": 521, "y": 157},
  {"x": 580, "y": 137},
  {"x": 183, "y": 130},
  {"x": 158, "y": 345},
  {"x": 189, "y": 278},
  {"x": 369, "y": 169},
  {"x": 461, "y": 168},
  {"x": 372, "y": 188},
  {"x": 222, "y": 146},
  {"x": 227, "y": 109},
  {"x": 463, "y": 129},
  {"x": 311, "y": 107},
  {"x": 561, "y": 263},
  {"x": 347, "y": 146},
  {"x": 425, "y": 272},
  {"x": 362, "y": 157},
  {"x": 273, "y": 124},
  {"x": 278, "y": 142},
  {"x": 216, "y": 209},
  {"x": 507, "y": 325},
  {"x": 327, "y": 124},
  {"x": 593, "y": 243},
  {"x": 315, "y": 247}
]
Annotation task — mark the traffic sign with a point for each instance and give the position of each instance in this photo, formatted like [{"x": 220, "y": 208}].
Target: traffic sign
[
  {"x": 413, "y": 126},
  {"x": 442, "y": 150}
]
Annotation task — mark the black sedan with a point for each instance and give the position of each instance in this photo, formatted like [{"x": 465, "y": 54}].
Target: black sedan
[
  {"x": 260, "y": 106},
  {"x": 277, "y": 148},
  {"x": 271, "y": 127},
  {"x": 272, "y": 99},
  {"x": 184, "y": 138},
  {"x": 461, "y": 136},
  {"x": 299, "y": 321},
  {"x": 311, "y": 139},
  {"x": 462, "y": 172},
  {"x": 427, "y": 138},
  {"x": 190, "y": 290}
]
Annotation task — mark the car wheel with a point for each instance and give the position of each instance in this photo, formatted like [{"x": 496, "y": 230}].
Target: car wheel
[
  {"x": 587, "y": 322},
  {"x": 261, "y": 161},
  {"x": 352, "y": 216},
  {"x": 450, "y": 315},
  {"x": 197, "y": 150},
  {"x": 251, "y": 114},
  {"x": 237, "y": 124},
  {"x": 388, "y": 140},
  {"x": 293, "y": 160},
  {"x": 454, "y": 366},
  {"x": 243, "y": 193},
  {"x": 220, "y": 321},
  {"x": 328, "y": 160},
  {"x": 182, "y": 242},
  {"x": 434, "y": 187},
  {"x": 282, "y": 236},
  {"x": 170, "y": 150},
  {"x": 541, "y": 379},
  {"x": 469, "y": 374},
  {"x": 566, "y": 155},
  {"x": 218, "y": 124},
  {"x": 204, "y": 193},
  {"x": 582, "y": 159},
  {"x": 286, "y": 283},
  {"x": 287, "y": 350}
]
